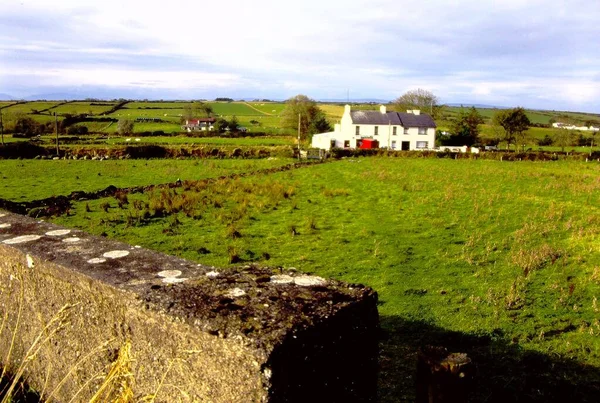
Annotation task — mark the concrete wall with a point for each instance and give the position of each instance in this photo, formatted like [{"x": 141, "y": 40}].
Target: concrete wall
[{"x": 75, "y": 307}]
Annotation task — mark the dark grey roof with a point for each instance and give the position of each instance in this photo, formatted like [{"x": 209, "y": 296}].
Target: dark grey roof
[{"x": 393, "y": 118}]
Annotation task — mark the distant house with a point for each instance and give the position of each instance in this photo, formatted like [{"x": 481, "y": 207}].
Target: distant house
[
  {"x": 201, "y": 124},
  {"x": 410, "y": 130},
  {"x": 573, "y": 127}
]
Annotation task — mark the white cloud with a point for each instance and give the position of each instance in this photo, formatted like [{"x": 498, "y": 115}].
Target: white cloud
[{"x": 469, "y": 50}]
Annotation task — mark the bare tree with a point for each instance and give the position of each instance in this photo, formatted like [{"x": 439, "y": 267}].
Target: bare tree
[{"x": 420, "y": 99}]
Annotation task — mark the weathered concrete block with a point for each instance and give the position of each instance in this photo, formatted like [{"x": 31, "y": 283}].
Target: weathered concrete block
[{"x": 172, "y": 328}]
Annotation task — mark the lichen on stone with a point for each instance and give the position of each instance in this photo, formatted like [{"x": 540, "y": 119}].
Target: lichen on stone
[{"x": 22, "y": 239}]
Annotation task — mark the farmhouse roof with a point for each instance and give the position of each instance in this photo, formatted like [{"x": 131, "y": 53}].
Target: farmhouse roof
[
  {"x": 393, "y": 118},
  {"x": 197, "y": 121}
]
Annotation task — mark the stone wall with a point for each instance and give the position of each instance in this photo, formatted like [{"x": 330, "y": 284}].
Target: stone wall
[{"x": 90, "y": 317}]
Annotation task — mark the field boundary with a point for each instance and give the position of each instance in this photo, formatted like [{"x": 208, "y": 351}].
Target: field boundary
[{"x": 58, "y": 205}]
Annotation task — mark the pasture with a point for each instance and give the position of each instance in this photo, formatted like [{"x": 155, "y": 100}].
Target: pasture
[
  {"x": 85, "y": 108},
  {"x": 24, "y": 180},
  {"x": 501, "y": 261},
  {"x": 29, "y": 107}
]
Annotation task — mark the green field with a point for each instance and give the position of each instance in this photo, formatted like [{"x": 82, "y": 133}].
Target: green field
[
  {"x": 265, "y": 117},
  {"x": 22, "y": 180},
  {"x": 501, "y": 261},
  {"x": 29, "y": 107},
  {"x": 85, "y": 108},
  {"x": 269, "y": 108},
  {"x": 244, "y": 141}
]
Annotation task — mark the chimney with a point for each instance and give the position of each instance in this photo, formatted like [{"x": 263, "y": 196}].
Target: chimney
[
  {"x": 416, "y": 111},
  {"x": 382, "y": 109},
  {"x": 347, "y": 109}
]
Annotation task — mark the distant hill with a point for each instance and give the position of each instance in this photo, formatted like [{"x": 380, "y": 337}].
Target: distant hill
[{"x": 6, "y": 97}]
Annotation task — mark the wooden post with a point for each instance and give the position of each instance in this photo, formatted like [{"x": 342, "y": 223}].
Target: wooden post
[
  {"x": 56, "y": 130},
  {"x": 442, "y": 377}
]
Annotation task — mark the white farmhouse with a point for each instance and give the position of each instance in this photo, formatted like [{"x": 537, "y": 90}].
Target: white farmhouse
[{"x": 380, "y": 129}]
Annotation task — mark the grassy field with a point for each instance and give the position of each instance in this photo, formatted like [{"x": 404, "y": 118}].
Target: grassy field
[
  {"x": 22, "y": 180},
  {"x": 76, "y": 108},
  {"x": 244, "y": 141},
  {"x": 269, "y": 108},
  {"x": 266, "y": 114},
  {"x": 502, "y": 263},
  {"x": 28, "y": 107}
]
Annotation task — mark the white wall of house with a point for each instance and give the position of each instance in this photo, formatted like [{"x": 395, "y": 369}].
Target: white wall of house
[{"x": 346, "y": 134}]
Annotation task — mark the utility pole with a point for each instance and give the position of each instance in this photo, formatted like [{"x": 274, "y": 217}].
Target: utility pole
[
  {"x": 298, "y": 137},
  {"x": 1, "y": 127},
  {"x": 56, "y": 130}
]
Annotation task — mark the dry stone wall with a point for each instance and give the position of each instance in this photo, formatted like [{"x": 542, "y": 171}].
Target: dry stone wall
[{"x": 85, "y": 316}]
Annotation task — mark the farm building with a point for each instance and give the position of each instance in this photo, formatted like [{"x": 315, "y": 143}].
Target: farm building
[
  {"x": 199, "y": 124},
  {"x": 380, "y": 129}
]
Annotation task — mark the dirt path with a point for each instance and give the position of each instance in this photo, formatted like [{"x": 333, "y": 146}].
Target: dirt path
[{"x": 258, "y": 110}]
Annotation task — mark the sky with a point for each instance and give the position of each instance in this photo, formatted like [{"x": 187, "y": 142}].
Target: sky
[{"x": 541, "y": 54}]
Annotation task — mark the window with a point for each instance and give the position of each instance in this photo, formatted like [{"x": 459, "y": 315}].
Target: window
[
  {"x": 394, "y": 144},
  {"x": 406, "y": 130},
  {"x": 347, "y": 143},
  {"x": 376, "y": 131},
  {"x": 394, "y": 131},
  {"x": 357, "y": 130},
  {"x": 421, "y": 144},
  {"x": 422, "y": 130}
]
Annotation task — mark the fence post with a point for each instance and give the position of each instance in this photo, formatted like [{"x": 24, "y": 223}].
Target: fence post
[{"x": 442, "y": 377}]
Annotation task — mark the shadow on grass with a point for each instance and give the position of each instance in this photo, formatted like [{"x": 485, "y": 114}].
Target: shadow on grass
[
  {"x": 504, "y": 372},
  {"x": 21, "y": 394}
]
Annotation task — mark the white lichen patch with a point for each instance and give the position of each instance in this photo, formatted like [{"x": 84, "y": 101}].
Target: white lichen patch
[
  {"x": 58, "y": 232},
  {"x": 235, "y": 293},
  {"x": 268, "y": 373},
  {"x": 212, "y": 274},
  {"x": 308, "y": 281},
  {"x": 282, "y": 279},
  {"x": 22, "y": 239},
  {"x": 115, "y": 254},
  {"x": 71, "y": 240},
  {"x": 30, "y": 263},
  {"x": 174, "y": 280},
  {"x": 5, "y": 225},
  {"x": 96, "y": 260},
  {"x": 169, "y": 273}
]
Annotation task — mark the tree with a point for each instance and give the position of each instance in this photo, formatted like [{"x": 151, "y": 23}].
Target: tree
[
  {"x": 420, "y": 99},
  {"x": 196, "y": 109},
  {"x": 233, "y": 124},
  {"x": 312, "y": 118},
  {"x": 26, "y": 125},
  {"x": 562, "y": 138},
  {"x": 465, "y": 128},
  {"x": 220, "y": 125},
  {"x": 515, "y": 124},
  {"x": 125, "y": 127}
]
